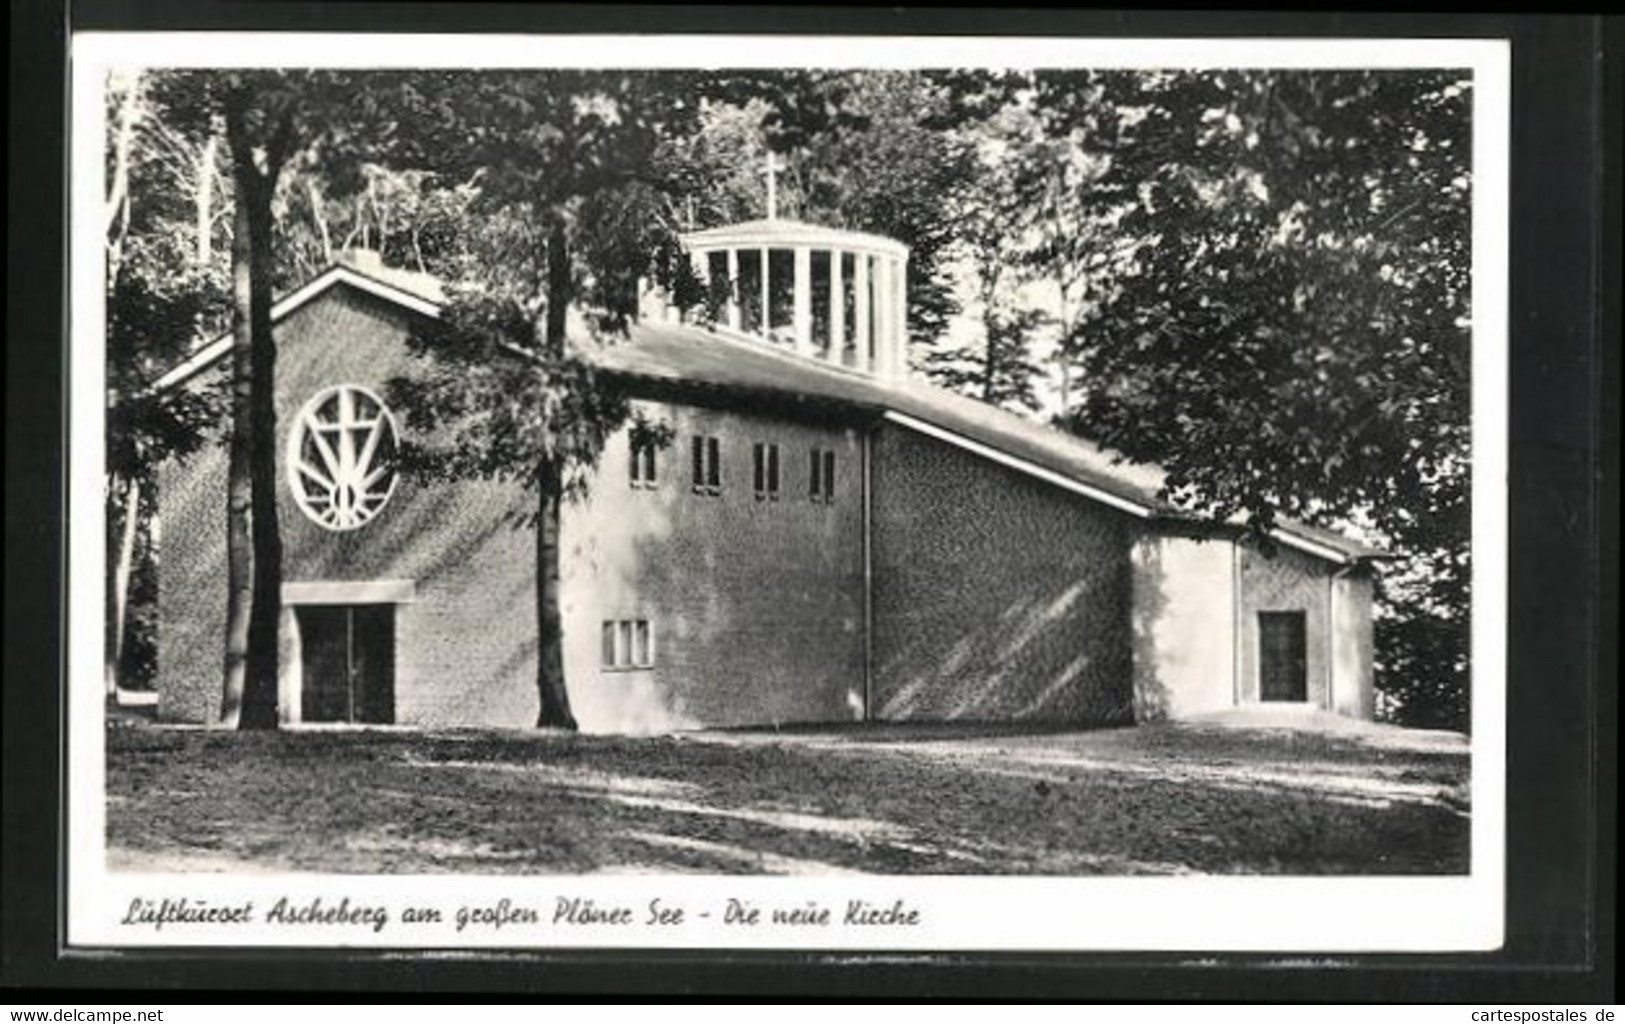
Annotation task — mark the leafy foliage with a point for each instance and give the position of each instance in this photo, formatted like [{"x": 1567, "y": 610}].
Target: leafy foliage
[
  {"x": 563, "y": 166},
  {"x": 997, "y": 368},
  {"x": 1283, "y": 322},
  {"x": 157, "y": 307},
  {"x": 866, "y": 150},
  {"x": 1259, "y": 279},
  {"x": 406, "y": 216},
  {"x": 998, "y": 371},
  {"x": 568, "y": 210},
  {"x": 164, "y": 294},
  {"x": 270, "y": 119},
  {"x": 494, "y": 401}
]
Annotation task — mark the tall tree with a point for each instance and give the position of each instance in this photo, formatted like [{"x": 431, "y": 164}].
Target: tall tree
[
  {"x": 569, "y": 212},
  {"x": 1283, "y": 323},
  {"x": 260, "y": 132},
  {"x": 1063, "y": 240},
  {"x": 165, "y": 291},
  {"x": 405, "y": 215},
  {"x": 268, "y": 118},
  {"x": 997, "y": 367}
]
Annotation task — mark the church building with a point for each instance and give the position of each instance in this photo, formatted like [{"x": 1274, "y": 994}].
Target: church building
[{"x": 825, "y": 539}]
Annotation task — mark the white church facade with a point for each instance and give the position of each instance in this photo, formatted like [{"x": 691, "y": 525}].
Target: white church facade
[{"x": 824, "y": 540}]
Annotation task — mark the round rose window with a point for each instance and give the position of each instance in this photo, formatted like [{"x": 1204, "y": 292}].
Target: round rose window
[{"x": 341, "y": 457}]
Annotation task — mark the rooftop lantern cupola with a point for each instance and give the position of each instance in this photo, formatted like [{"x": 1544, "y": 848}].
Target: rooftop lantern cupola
[{"x": 838, "y": 297}]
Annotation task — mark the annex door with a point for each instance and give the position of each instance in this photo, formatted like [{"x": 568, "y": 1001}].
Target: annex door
[
  {"x": 348, "y": 665},
  {"x": 1282, "y": 663}
]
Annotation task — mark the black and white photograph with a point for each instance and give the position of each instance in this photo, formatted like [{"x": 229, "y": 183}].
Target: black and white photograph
[{"x": 823, "y": 493}]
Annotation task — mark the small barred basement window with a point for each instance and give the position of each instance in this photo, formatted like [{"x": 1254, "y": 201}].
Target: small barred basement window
[
  {"x": 821, "y": 476},
  {"x": 707, "y": 454},
  {"x": 628, "y": 644},
  {"x": 765, "y": 458},
  {"x": 643, "y": 472}
]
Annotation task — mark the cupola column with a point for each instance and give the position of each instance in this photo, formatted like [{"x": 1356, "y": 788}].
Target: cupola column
[
  {"x": 700, "y": 265},
  {"x": 863, "y": 337},
  {"x": 837, "y": 309},
  {"x": 776, "y": 291},
  {"x": 733, "y": 288},
  {"x": 885, "y": 342},
  {"x": 765, "y": 325},
  {"x": 899, "y": 316},
  {"x": 803, "y": 300}
]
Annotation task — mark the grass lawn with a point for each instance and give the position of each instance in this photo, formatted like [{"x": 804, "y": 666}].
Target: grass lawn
[{"x": 1228, "y": 796}]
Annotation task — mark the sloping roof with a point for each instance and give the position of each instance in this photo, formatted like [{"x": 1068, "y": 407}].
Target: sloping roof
[
  {"x": 689, "y": 356},
  {"x": 421, "y": 293},
  {"x": 684, "y": 355}
]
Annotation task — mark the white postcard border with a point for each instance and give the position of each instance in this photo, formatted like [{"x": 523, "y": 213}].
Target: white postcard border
[{"x": 979, "y": 913}]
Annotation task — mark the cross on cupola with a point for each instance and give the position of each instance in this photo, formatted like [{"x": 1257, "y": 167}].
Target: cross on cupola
[{"x": 774, "y": 165}]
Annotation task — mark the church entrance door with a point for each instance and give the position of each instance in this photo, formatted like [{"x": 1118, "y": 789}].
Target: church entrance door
[
  {"x": 1283, "y": 666},
  {"x": 348, "y": 663}
]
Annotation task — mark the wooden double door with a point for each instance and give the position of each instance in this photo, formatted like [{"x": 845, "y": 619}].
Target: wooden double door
[{"x": 347, "y": 663}]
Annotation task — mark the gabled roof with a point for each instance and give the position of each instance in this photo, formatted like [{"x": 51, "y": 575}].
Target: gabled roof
[
  {"x": 690, "y": 357},
  {"x": 420, "y": 293}
]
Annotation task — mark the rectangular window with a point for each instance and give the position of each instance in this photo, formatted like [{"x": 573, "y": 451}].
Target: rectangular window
[
  {"x": 628, "y": 644},
  {"x": 821, "y": 476},
  {"x": 642, "y": 471},
  {"x": 765, "y": 475},
  {"x": 643, "y": 653},
  {"x": 707, "y": 456}
]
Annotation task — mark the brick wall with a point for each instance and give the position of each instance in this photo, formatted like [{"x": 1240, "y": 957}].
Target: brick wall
[
  {"x": 1287, "y": 581},
  {"x": 996, "y": 596},
  {"x": 465, "y": 648},
  {"x": 756, "y": 605}
]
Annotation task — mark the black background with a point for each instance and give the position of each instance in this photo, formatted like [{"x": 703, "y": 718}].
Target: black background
[{"x": 1563, "y": 596}]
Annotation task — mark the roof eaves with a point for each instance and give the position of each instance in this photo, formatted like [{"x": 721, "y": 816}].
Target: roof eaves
[
  {"x": 339, "y": 273},
  {"x": 1065, "y": 481},
  {"x": 738, "y": 393},
  {"x": 1321, "y": 544}
]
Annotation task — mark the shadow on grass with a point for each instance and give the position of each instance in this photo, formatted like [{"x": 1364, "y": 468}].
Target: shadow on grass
[{"x": 488, "y": 802}]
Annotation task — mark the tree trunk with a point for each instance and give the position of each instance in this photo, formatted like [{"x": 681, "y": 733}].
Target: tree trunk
[
  {"x": 260, "y": 696},
  {"x": 117, "y": 209},
  {"x": 320, "y": 218},
  {"x": 203, "y": 204},
  {"x": 1062, "y": 358},
  {"x": 121, "y": 582},
  {"x": 990, "y": 327},
  {"x": 239, "y": 484},
  {"x": 989, "y": 367},
  {"x": 550, "y": 681},
  {"x": 558, "y": 284}
]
